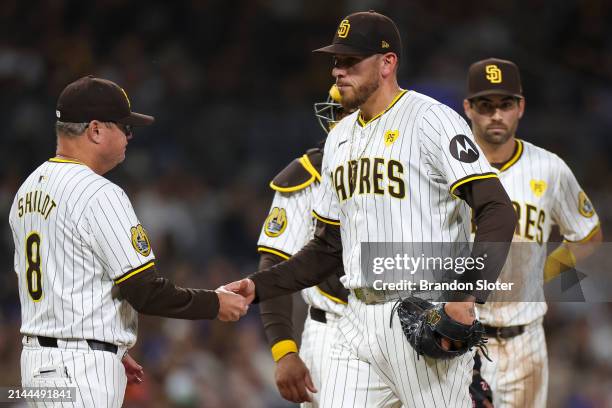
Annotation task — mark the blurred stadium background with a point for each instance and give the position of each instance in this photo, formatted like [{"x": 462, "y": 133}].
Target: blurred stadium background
[{"x": 231, "y": 84}]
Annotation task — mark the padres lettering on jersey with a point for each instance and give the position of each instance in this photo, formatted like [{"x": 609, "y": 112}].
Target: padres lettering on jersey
[
  {"x": 76, "y": 235},
  {"x": 394, "y": 178},
  {"x": 544, "y": 192}
]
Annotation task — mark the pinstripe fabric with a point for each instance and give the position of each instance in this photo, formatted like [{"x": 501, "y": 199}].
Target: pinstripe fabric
[
  {"x": 299, "y": 230},
  {"x": 98, "y": 376},
  {"x": 427, "y": 212},
  {"x": 372, "y": 365},
  {"x": 519, "y": 373},
  {"x": 558, "y": 204},
  {"x": 85, "y": 243}
]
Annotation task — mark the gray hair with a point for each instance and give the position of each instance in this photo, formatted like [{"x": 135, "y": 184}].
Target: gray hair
[{"x": 70, "y": 129}]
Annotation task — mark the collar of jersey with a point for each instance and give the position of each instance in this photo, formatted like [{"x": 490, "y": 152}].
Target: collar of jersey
[
  {"x": 363, "y": 123},
  {"x": 60, "y": 160},
  {"x": 518, "y": 152}
]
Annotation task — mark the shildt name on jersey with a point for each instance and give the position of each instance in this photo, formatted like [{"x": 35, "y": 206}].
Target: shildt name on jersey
[{"x": 35, "y": 202}]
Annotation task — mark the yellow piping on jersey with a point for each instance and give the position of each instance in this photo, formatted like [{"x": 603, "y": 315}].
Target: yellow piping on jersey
[
  {"x": 325, "y": 220},
  {"x": 58, "y": 160},
  {"x": 588, "y": 237},
  {"x": 513, "y": 159},
  {"x": 469, "y": 179},
  {"x": 273, "y": 251},
  {"x": 314, "y": 175},
  {"x": 330, "y": 297},
  {"x": 134, "y": 272},
  {"x": 305, "y": 161},
  {"x": 282, "y": 348},
  {"x": 363, "y": 123}
]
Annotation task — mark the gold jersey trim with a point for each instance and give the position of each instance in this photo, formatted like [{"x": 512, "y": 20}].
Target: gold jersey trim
[
  {"x": 331, "y": 297},
  {"x": 363, "y": 123},
  {"x": 325, "y": 220},
  {"x": 58, "y": 160},
  {"x": 468, "y": 179},
  {"x": 307, "y": 165},
  {"x": 133, "y": 272},
  {"x": 517, "y": 155},
  {"x": 276, "y": 252}
]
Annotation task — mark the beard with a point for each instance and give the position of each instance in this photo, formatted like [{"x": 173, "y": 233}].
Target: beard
[{"x": 359, "y": 95}]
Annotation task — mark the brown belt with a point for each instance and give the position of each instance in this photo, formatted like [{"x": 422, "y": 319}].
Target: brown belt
[
  {"x": 502, "y": 333},
  {"x": 318, "y": 315}
]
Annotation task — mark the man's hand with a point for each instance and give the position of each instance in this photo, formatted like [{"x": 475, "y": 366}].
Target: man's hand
[
  {"x": 232, "y": 306},
  {"x": 293, "y": 379},
  {"x": 463, "y": 312},
  {"x": 133, "y": 370},
  {"x": 243, "y": 287}
]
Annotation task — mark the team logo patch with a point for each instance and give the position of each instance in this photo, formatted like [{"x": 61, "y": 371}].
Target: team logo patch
[
  {"x": 276, "y": 222},
  {"x": 391, "y": 136},
  {"x": 494, "y": 74},
  {"x": 140, "y": 240},
  {"x": 344, "y": 28},
  {"x": 538, "y": 187},
  {"x": 584, "y": 205},
  {"x": 463, "y": 149}
]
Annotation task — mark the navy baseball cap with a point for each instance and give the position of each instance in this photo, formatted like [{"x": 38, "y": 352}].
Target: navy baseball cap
[
  {"x": 365, "y": 33},
  {"x": 91, "y": 98}
]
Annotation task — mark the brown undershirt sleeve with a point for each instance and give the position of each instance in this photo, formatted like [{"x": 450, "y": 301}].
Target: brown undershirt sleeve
[
  {"x": 318, "y": 259},
  {"x": 276, "y": 314},
  {"x": 495, "y": 221},
  {"x": 152, "y": 294}
]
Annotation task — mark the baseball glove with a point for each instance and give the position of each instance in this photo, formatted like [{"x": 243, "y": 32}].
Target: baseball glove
[{"x": 424, "y": 324}]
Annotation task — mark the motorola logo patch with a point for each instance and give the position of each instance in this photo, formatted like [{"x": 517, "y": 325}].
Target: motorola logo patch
[{"x": 463, "y": 149}]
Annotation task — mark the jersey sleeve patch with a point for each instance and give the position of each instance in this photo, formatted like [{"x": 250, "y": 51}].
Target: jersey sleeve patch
[
  {"x": 140, "y": 240},
  {"x": 463, "y": 149},
  {"x": 585, "y": 207},
  {"x": 276, "y": 223}
]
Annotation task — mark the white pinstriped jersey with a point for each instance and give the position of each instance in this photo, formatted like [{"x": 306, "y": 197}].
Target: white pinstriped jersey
[
  {"x": 294, "y": 209},
  {"x": 409, "y": 160},
  {"x": 75, "y": 235},
  {"x": 544, "y": 192}
]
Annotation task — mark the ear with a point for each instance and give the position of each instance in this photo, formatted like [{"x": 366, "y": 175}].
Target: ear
[
  {"x": 521, "y": 106},
  {"x": 467, "y": 108},
  {"x": 94, "y": 133},
  {"x": 389, "y": 63}
]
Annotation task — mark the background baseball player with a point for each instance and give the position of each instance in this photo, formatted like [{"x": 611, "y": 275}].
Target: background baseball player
[
  {"x": 389, "y": 173},
  {"x": 84, "y": 262},
  {"x": 289, "y": 226},
  {"x": 544, "y": 193}
]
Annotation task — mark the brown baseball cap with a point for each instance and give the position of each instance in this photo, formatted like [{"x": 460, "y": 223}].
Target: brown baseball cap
[
  {"x": 494, "y": 76},
  {"x": 91, "y": 98},
  {"x": 365, "y": 33}
]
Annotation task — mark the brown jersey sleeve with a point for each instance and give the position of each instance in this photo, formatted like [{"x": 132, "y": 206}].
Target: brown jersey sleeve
[{"x": 152, "y": 294}]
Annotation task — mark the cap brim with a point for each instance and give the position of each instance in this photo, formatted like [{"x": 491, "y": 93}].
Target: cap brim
[
  {"x": 343, "y": 49},
  {"x": 137, "y": 119},
  {"x": 490, "y": 92}
]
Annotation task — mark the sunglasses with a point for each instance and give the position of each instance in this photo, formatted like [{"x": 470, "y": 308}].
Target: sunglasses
[{"x": 126, "y": 129}]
